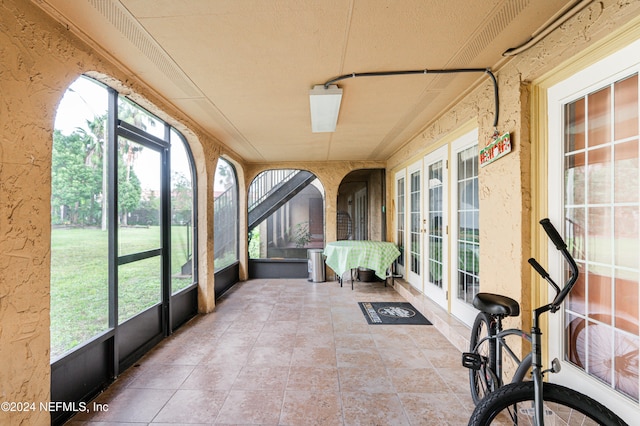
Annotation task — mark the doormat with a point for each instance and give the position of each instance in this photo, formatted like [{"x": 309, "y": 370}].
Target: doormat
[{"x": 392, "y": 313}]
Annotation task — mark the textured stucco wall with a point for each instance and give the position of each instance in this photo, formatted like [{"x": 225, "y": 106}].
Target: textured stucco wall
[
  {"x": 40, "y": 58},
  {"x": 330, "y": 175},
  {"x": 506, "y": 217}
]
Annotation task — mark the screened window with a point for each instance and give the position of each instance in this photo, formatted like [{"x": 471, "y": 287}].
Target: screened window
[
  {"x": 79, "y": 238},
  {"x": 225, "y": 207},
  {"x": 91, "y": 165},
  {"x": 182, "y": 214}
]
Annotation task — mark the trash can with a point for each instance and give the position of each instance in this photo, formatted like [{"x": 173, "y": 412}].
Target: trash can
[{"x": 315, "y": 265}]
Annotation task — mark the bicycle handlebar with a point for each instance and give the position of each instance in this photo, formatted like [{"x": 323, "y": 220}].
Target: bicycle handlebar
[
  {"x": 539, "y": 269},
  {"x": 553, "y": 234},
  {"x": 561, "y": 294}
]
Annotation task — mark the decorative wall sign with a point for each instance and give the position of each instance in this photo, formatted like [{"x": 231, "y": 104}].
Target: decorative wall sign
[{"x": 500, "y": 147}]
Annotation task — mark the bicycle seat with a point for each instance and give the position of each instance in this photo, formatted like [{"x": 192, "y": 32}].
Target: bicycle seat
[{"x": 496, "y": 304}]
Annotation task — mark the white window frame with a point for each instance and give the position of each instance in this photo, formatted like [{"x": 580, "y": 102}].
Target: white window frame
[{"x": 620, "y": 64}]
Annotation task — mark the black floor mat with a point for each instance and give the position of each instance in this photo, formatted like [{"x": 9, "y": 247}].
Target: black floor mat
[{"x": 392, "y": 313}]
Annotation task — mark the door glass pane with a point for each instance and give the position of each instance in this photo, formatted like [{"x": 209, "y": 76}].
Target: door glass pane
[
  {"x": 79, "y": 238},
  {"x": 414, "y": 213},
  {"x": 599, "y": 117},
  {"x": 133, "y": 114},
  {"x": 626, "y": 108},
  {"x": 400, "y": 223},
  {"x": 468, "y": 225},
  {"x": 138, "y": 286},
  {"x": 138, "y": 198},
  {"x": 182, "y": 260},
  {"x": 139, "y": 201},
  {"x": 435, "y": 222},
  {"x": 602, "y": 211}
]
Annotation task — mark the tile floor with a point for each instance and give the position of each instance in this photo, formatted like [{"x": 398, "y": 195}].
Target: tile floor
[{"x": 291, "y": 352}]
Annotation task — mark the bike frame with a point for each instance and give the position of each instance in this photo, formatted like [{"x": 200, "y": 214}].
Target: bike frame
[
  {"x": 499, "y": 341},
  {"x": 536, "y": 333}
]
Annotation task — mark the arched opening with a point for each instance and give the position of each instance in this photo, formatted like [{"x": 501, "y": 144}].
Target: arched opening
[
  {"x": 123, "y": 256},
  {"x": 360, "y": 214},
  {"x": 286, "y": 219},
  {"x": 225, "y": 232}
]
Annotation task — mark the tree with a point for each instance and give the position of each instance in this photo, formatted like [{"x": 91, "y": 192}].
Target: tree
[
  {"x": 75, "y": 186},
  {"x": 181, "y": 198},
  {"x": 129, "y": 192},
  {"x": 96, "y": 155},
  {"x": 129, "y": 189}
]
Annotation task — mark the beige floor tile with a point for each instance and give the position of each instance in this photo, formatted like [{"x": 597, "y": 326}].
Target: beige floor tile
[
  {"x": 270, "y": 356},
  {"x": 283, "y": 327},
  {"x": 434, "y": 409},
  {"x": 251, "y": 407},
  {"x": 303, "y": 408},
  {"x": 365, "y": 379},
  {"x": 162, "y": 377},
  {"x": 192, "y": 406},
  {"x": 401, "y": 357},
  {"x": 358, "y": 357},
  {"x": 261, "y": 378},
  {"x": 132, "y": 405},
  {"x": 319, "y": 326},
  {"x": 323, "y": 338},
  {"x": 212, "y": 377},
  {"x": 457, "y": 378},
  {"x": 314, "y": 356},
  {"x": 237, "y": 338},
  {"x": 417, "y": 380},
  {"x": 309, "y": 378},
  {"x": 361, "y": 408},
  {"x": 354, "y": 340},
  {"x": 290, "y": 352}
]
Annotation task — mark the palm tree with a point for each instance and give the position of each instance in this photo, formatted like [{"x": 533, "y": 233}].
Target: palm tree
[
  {"x": 96, "y": 154},
  {"x": 129, "y": 150}
]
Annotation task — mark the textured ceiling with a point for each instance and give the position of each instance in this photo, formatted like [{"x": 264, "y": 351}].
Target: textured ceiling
[{"x": 243, "y": 68}]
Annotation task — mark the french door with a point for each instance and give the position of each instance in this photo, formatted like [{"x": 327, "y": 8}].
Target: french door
[
  {"x": 415, "y": 227},
  {"x": 465, "y": 226},
  {"x": 400, "y": 237},
  {"x": 435, "y": 240},
  {"x": 594, "y": 196}
]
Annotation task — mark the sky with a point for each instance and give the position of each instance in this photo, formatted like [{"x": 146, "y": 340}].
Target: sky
[{"x": 83, "y": 101}]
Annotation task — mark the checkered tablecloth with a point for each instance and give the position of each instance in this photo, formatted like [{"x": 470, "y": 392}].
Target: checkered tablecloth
[{"x": 342, "y": 256}]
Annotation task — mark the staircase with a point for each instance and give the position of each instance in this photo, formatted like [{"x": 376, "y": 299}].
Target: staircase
[{"x": 272, "y": 189}]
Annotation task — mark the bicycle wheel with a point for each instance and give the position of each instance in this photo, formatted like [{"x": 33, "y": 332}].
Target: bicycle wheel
[
  {"x": 483, "y": 380},
  {"x": 599, "y": 336},
  {"x": 513, "y": 405}
]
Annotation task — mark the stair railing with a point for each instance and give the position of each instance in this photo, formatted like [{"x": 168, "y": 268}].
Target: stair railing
[{"x": 265, "y": 183}]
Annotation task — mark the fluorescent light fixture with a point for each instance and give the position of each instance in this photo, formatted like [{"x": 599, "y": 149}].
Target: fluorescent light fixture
[{"x": 325, "y": 106}]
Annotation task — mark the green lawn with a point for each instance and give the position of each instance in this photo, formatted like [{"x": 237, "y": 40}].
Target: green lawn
[{"x": 79, "y": 280}]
